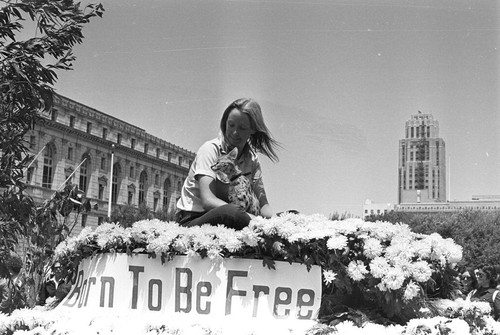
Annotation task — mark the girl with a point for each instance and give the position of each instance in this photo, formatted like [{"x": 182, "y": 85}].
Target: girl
[{"x": 204, "y": 197}]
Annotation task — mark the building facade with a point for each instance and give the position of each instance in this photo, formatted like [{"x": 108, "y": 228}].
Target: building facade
[
  {"x": 490, "y": 204},
  {"x": 422, "y": 162},
  {"x": 373, "y": 208},
  {"x": 422, "y": 175},
  {"x": 84, "y": 146}
]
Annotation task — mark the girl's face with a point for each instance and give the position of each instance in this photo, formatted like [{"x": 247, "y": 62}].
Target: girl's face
[
  {"x": 238, "y": 129},
  {"x": 482, "y": 279},
  {"x": 466, "y": 277}
]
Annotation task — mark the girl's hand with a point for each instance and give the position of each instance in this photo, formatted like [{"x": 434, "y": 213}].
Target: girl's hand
[{"x": 266, "y": 211}]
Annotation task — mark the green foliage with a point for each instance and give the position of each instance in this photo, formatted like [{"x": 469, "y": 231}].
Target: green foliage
[
  {"x": 336, "y": 216},
  {"x": 51, "y": 223},
  {"x": 27, "y": 75},
  {"x": 127, "y": 215},
  {"x": 165, "y": 215},
  {"x": 478, "y": 232}
]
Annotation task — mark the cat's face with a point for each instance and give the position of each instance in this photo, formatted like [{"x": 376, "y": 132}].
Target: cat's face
[
  {"x": 225, "y": 168},
  {"x": 224, "y": 164}
]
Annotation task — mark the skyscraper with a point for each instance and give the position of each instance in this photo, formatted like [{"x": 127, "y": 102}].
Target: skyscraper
[{"x": 422, "y": 162}]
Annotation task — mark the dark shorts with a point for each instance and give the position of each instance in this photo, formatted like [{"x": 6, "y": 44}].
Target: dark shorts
[{"x": 228, "y": 215}]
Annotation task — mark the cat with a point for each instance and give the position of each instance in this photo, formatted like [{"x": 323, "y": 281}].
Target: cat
[{"x": 240, "y": 190}]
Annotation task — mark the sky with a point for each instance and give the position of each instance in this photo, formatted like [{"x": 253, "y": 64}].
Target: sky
[{"x": 336, "y": 80}]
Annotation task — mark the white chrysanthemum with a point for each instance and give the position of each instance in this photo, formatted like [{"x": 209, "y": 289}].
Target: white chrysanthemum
[
  {"x": 421, "y": 271},
  {"x": 286, "y": 228},
  {"x": 400, "y": 248},
  {"x": 348, "y": 327},
  {"x": 483, "y": 306},
  {"x": 329, "y": 276},
  {"x": 459, "y": 326},
  {"x": 444, "y": 250},
  {"x": 249, "y": 236},
  {"x": 85, "y": 233},
  {"x": 464, "y": 305},
  {"x": 404, "y": 264},
  {"x": 372, "y": 248},
  {"x": 71, "y": 244},
  {"x": 357, "y": 270},
  {"x": 111, "y": 235},
  {"x": 337, "y": 242},
  {"x": 348, "y": 226},
  {"x": 411, "y": 291},
  {"x": 171, "y": 238},
  {"x": 301, "y": 236},
  {"x": 227, "y": 238},
  {"x": 66, "y": 247},
  {"x": 386, "y": 231},
  {"x": 491, "y": 326},
  {"x": 378, "y": 267},
  {"x": 202, "y": 238},
  {"x": 393, "y": 279},
  {"x": 424, "y": 325},
  {"x": 180, "y": 244},
  {"x": 214, "y": 253},
  {"x": 318, "y": 233},
  {"x": 428, "y": 325},
  {"x": 454, "y": 251},
  {"x": 422, "y": 248},
  {"x": 146, "y": 230},
  {"x": 264, "y": 226},
  {"x": 160, "y": 244}
]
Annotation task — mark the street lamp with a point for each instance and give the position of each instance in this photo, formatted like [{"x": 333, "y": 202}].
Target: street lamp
[{"x": 111, "y": 182}]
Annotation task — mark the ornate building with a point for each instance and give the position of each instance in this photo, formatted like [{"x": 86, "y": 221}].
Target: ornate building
[
  {"x": 422, "y": 162},
  {"x": 478, "y": 204},
  {"x": 84, "y": 146},
  {"x": 422, "y": 175},
  {"x": 373, "y": 208}
]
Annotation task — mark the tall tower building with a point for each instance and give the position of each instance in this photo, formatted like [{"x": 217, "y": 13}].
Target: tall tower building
[{"x": 422, "y": 162}]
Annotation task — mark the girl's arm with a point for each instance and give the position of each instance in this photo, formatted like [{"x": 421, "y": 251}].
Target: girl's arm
[
  {"x": 265, "y": 209},
  {"x": 207, "y": 193}
]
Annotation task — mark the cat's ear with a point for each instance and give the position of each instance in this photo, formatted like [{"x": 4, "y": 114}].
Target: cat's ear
[{"x": 233, "y": 154}]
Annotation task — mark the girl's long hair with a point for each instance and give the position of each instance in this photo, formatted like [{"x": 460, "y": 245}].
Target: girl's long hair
[{"x": 262, "y": 140}]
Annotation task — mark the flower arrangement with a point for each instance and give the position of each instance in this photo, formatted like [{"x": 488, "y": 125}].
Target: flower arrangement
[
  {"x": 381, "y": 265},
  {"x": 377, "y": 264},
  {"x": 475, "y": 315},
  {"x": 40, "y": 321}
]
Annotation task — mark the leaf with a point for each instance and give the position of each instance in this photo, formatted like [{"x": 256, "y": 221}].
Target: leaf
[{"x": 269, "y": 263}]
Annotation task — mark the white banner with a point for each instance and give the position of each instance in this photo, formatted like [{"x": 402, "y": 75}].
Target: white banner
[{"x": 196, "y": 287}]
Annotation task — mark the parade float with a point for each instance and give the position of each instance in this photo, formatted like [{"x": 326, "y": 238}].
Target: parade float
[{"x": 292, "y": 274}]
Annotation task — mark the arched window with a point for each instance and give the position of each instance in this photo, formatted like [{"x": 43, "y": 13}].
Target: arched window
[
  {"x": 131, "y": 194},
  {"x": 48, "y": 166},
  {"x": 114, "y": 183},
  {"x": 84, "y": 173},
  {"x": 166, "y": 193},
  {"x": 143, "y": 179}
]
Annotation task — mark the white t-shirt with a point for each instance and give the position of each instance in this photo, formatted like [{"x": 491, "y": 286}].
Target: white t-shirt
[{"x": 205, "y": 158}]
